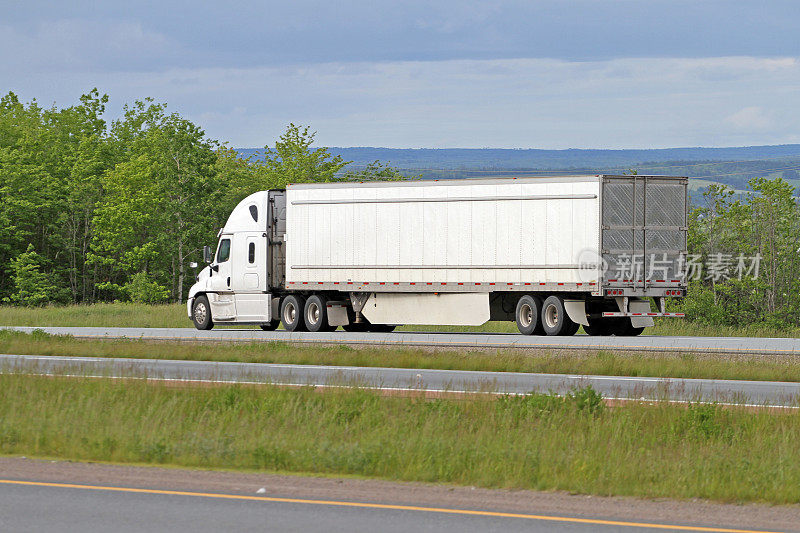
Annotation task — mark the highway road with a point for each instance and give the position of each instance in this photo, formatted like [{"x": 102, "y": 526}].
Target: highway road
[
  {"x": 45, "y": 508},
  {"x": 403, "y": 379},
  {"x": 745, "y": 345},
  {"x": 46, "y": 496}
]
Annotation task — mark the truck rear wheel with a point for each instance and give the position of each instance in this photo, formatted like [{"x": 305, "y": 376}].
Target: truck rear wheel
[
  {"x": 201, "y": 313},
  {"x": 555, "y": 320},
  {"x": 528, "y": 314},
  {"x": 292, "y": 313},
  {"x": 315, "y": 314}
]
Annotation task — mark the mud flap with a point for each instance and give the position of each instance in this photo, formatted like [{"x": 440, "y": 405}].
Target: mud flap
[
  {"x": 637, "y": 306},
  {"x": 576, "y": 311}
]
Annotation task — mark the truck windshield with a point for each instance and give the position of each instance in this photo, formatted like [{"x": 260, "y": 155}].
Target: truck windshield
[{"x": 224, "y": 250}]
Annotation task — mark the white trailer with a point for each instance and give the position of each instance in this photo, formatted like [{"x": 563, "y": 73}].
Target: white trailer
[{"x": 550, "y": 253}]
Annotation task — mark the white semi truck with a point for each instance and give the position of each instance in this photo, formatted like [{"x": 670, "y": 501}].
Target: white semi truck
[{"x": 550, "y": 253}]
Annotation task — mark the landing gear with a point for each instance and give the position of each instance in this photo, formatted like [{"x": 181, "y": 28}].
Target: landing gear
[{"x": 365, "y": 325}]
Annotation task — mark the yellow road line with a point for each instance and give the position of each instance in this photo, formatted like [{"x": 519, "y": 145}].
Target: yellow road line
[{"x": 493, "y": 514}]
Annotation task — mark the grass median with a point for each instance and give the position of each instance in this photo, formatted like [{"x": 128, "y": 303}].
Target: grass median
[
  {"x": 668, "y": 365},
  {"x": 174, "y": 316},
  {"x": 538, "y": 442}
]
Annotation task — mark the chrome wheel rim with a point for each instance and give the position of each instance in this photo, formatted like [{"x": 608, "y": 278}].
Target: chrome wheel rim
[
  {"x": 200, "y": 313},
  {"x": 289, "y": 313},
  {"x": 313, "y": 313},
  {"x": 525, "y": 315},
  {"x": 551, "y": 316}
]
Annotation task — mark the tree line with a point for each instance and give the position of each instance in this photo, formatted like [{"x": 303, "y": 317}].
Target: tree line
[
  {"x": 93, "y": 210},
  {"x": 749, "y": 247},
  {"x": 97, "y": 211}
]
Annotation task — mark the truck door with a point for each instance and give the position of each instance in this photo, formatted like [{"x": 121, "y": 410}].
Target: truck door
[
  {"x": 220, "y": 293},
  {"x": 644, "y": 230},
  {"x": 276, "y": 231},
  {"x": 249, "y": 277}
]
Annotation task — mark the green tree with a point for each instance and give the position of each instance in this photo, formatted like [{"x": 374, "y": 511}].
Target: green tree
[
  {"x": 292, "y": 160},
  {"x": 32, "y": 287},
  {"x": 158, "y": 206}
]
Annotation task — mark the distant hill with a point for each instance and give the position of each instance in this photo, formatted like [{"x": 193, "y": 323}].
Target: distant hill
[{"x": 732, "y": 166}]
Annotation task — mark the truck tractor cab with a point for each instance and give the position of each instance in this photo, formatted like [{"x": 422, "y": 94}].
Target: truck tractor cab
[{"x": 235, "y": 286}]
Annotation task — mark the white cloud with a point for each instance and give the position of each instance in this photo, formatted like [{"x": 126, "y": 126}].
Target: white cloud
[
  {"x": 750, "y": 118},
  {"x": 543, "y": 103}
]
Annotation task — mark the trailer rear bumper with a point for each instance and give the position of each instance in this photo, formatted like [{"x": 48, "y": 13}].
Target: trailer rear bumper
[{"x": 620, "y": 314}]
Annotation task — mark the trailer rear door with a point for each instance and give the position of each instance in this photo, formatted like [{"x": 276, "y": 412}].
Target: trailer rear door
[{"x": 644, "y": 228}]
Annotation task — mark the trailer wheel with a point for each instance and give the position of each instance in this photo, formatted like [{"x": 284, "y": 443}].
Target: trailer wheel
[
  {"x": 555, "y": 320},
  {"x": 292, "y": 313},
  {"x": 381, "y": 328},
  {"x": 315, "y": 314},
  {"x": 272, "y": 325},
  {"x": 626, "y": 329},
  {"x": 201, "y": 313},
  {"x": 600, "y": 327},
  {"x": 356, "y": 328},
  {"x": 528, "y": 314}
]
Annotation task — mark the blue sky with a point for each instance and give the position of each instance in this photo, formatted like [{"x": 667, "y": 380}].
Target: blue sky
[{"x": 535, "y": 74}]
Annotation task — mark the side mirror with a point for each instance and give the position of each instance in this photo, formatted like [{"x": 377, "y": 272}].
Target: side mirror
[
  {"x": 215, "y": 268},
  {"x": 206, "y": 254}
]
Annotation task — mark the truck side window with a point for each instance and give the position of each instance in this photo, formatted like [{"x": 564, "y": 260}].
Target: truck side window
[
  {"x": 224, "y": 251},
  {"x": 251, "y": 253}
]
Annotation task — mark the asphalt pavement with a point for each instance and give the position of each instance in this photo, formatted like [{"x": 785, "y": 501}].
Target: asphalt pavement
[
  {"x": 45, "y": 507},
  {"x": 746, "y": 345}
]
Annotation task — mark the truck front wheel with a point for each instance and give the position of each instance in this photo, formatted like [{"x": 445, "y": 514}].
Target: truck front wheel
[{"x": 201, "y": 313}]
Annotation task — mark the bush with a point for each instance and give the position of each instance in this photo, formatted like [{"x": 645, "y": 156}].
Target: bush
[
  {"x": 141, "y": 289},
  {"x": 33, "y": 288}
]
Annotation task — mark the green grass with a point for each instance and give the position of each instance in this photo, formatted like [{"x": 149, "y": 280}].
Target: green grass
[
  {"x": 174, "y": 316},
  {"x": 675, "y": 365},
  {"x": 100, "y": 315},
  {"x": 537, "y": 442}
]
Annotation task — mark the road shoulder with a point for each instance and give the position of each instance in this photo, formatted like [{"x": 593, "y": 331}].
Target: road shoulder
[{"x": 785, "y": 518}]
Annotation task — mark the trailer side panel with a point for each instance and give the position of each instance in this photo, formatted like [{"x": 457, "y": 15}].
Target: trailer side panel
[{"x": 464, "y": 235}]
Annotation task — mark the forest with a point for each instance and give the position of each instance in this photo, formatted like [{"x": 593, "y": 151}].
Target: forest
[{"x": 94, "y": 210}]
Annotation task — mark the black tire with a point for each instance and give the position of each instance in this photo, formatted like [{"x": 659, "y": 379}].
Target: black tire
[
  {"x": 626, "y": 329},
  {"x": 292, "y": 313},
  {"x": 554, "y": 317},
  {"x": 201, "y": 313},
  {"x": 600, "y": 327},
  {"x": 381, "y": 328},
  {"x": 528, "y": 314},
  {"x": 356, "y": 327},
  {"x": 315, "y": 314},
  {"x": 271, "y": 325},
  {"x": 570, "y": 329}
]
